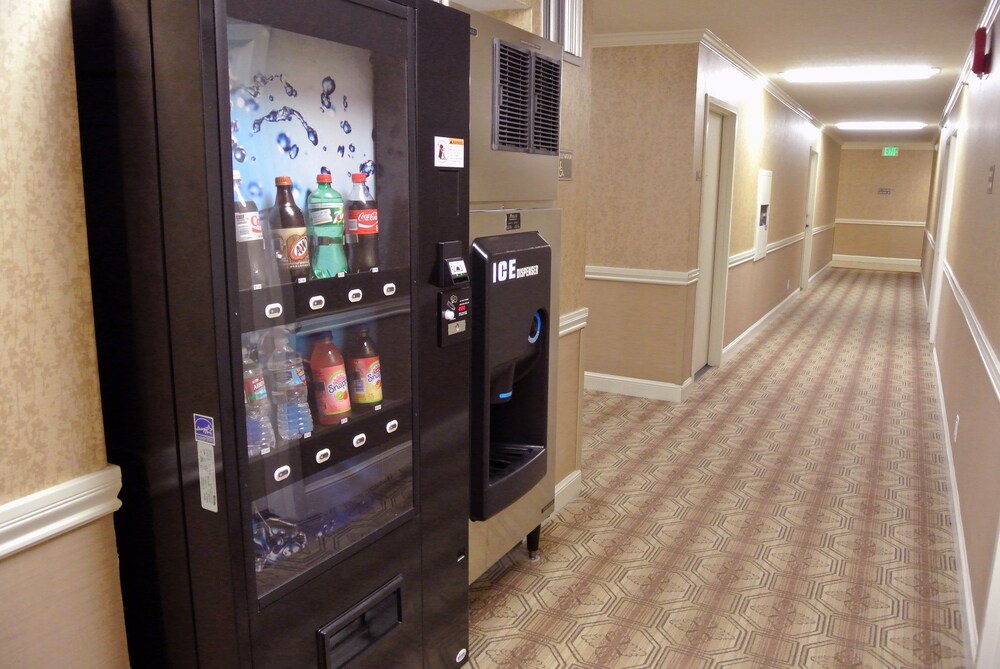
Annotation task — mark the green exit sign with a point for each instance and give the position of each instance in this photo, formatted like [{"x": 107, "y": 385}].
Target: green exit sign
[{"x": 890, "y": 151}]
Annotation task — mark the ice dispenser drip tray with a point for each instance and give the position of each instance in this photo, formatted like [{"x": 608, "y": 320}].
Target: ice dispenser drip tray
[{"x": 511, "y": 281}]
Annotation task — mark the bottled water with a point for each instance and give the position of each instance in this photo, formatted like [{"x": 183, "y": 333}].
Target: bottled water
[
  {"x": 260, "y": 432},
  {"x": 289, "y": 389}
]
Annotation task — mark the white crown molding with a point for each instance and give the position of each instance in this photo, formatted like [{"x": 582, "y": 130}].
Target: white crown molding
[
  {"x": 634, "y": 387},
  {"x": 865, "y": 221},
  {"x": 660, "y": 277},
  {"x": 711, "y": 41},
  {"x": 650, "y": 38},
  {"x": 823, "y": 228},
  {"x": 988, "y": 18},
  {"x": 573, "y": 321},
  {"x": 48, "y": 513}
]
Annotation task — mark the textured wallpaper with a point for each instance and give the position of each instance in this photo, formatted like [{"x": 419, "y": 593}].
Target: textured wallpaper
[
  {"x": 642, "y": 142},
  {"x": 575, "y": 196},
  {"x": 864, "y": 171},
  {"x": 974, "y": 243},
  {"x": 52, "y": 420}
]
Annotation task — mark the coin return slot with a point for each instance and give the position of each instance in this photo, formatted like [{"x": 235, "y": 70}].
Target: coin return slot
[
  {"x": 273, "y": 310},
  {"x": 389, "y": 289},
  {"x": 282, "y": 473},
  {"x": 359, "y": 440},
  {"x": 317, "y": 302},
  {"x": 392, "y": 426},
  {"x": 355, "y": 295},
  {"x": 322, "y": 456}
]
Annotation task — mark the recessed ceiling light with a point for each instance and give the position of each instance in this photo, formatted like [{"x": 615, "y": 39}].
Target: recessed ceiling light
[
  {"x": 833, "y": 75},
  {"x": 881, "y": 125}
]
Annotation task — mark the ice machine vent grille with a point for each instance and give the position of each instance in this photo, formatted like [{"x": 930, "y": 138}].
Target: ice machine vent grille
[
  {"x": 512, "y": 104},
  {"x": 545, "y": 111}
]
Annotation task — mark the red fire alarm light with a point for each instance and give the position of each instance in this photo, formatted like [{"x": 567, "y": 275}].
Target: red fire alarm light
[{"x": 981, "y": 58}]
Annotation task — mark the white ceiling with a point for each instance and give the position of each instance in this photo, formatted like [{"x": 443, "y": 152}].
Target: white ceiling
[{"x": 777, "y": 35}]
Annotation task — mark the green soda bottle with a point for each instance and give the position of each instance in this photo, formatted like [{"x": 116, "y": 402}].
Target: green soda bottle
[{"x": 326, "y": 230}]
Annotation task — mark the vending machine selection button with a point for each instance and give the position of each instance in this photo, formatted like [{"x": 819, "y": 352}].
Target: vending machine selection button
[
  {"x": 282, "y": 473},
  {"x": 322, "y": 456},
  {"x": 273, "y": 310},
  {"x": 355, "y": 295},
  {"x": 389, "y": 289},
  {"x": 359, "y": 440},
  {"x": 392, "y": 426},
  {"x": 317, "y": 302}
]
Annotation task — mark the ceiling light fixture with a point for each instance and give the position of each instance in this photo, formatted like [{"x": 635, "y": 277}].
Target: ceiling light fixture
[
  {"x": 881, "y": 125},
  {"x": 834, "y": 75}
]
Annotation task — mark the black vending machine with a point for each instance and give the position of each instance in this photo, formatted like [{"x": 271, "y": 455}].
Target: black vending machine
[{"x": 271, "y": 188}]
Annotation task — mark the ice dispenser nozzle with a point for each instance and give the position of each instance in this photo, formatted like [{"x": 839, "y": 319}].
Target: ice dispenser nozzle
[{"x": 511, "y": 284}]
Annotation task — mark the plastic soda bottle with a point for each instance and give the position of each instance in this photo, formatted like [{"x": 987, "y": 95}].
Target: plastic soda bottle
[
  {"x": 365, "y": 370},
  {"x": 252, "y": 249},
  {"x": 260, "y": 432},
  {"x": 326, "y": 230},
  {"x": 288, "y": 388},
  {"x": 362, "y": 227},
  {"x": 291, "y": 245},
  {"x": 329, "y": 381}
]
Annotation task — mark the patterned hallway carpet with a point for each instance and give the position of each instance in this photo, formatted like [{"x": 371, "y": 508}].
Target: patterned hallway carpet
[{"x": 794, "y": 512}]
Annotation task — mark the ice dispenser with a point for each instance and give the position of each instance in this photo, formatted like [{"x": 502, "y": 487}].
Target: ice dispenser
[{"x": 511, "y": 277}]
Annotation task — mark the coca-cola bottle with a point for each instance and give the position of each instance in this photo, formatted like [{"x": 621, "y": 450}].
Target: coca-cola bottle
[
  {"x": 291, "y": 245},
  {"x": 361, "y": 238}
]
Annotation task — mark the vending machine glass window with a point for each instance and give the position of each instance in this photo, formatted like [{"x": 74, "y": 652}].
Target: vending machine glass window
[{"x": 320, "y": 198}]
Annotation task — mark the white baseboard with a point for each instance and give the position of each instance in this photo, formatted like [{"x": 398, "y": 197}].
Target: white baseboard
[
  {"x": 568, "y": 489},
  {"x": 48, "y": 513},
  {"x": 627, "y": 385},
  {"x": 734, "y": 346},
  {"x": 970, "y": 633},
  {"x": 872, "y": 262},
  {"x": 821, "y": 271}
]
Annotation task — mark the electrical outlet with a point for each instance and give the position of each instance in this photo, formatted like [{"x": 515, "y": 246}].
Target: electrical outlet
[{"x": 954, "y": 430}]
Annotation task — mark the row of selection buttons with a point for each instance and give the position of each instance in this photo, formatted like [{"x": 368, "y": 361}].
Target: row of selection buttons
[
  {"x": 360, "y": 439},
  {"x": 317, "y": 302}
]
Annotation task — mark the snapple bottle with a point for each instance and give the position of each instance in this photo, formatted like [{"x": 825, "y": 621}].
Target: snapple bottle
[
  {"x": 329, "y": 377},
  {"x": 365, "y": 370}
]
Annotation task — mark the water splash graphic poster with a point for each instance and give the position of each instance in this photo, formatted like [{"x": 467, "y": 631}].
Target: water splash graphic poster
[{"x": 285, "y": 121}]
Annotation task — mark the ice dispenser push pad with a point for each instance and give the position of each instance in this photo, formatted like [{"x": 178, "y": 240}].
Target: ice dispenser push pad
[{"x": 511, "y": 277}]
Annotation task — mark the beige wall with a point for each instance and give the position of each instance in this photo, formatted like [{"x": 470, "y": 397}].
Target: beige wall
[
  {"x": 822, "y": 251},
  {"x": 973, "y": 256},
  {"x": 863, "y": 171},
  {"x": 652, "y": 109},
  {"x": 637, "y": 330},
  {"x": 880, "y": 241},
  {"x": 63, "y": 598},
  {"x": 52, "y": 425},
  {"x": 643, "y": 133},
  {"x": 62, "y": 607},
  {"x": 769, "y": 136}
]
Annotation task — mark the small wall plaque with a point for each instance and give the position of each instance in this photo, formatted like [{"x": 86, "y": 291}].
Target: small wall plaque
[
  {"x": 565, "y": 165},
  {"x": 885, "y": 191}
]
